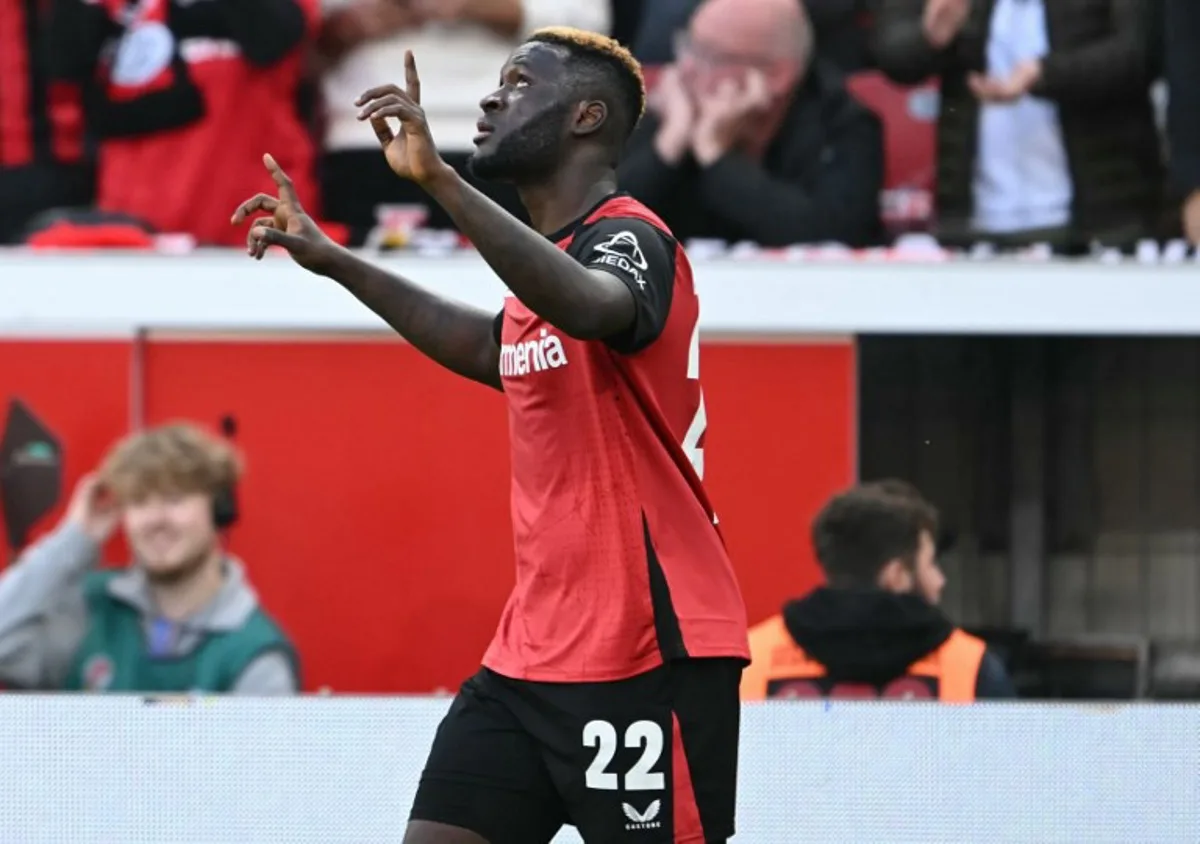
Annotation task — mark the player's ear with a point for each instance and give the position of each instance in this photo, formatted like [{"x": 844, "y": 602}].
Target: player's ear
[{"x": 590, "y": 116}]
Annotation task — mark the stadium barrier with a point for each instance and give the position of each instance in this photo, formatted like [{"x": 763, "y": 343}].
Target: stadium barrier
[
  {"x": 115, "y": 294},
  {"x": 95, "y": 770}
]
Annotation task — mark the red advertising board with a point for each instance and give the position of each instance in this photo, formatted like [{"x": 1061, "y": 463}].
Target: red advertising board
[{"x": 375, "y": 506}]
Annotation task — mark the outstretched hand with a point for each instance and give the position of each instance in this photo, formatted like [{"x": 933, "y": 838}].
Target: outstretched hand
[
  {"x": 411, "y": 152},
  {"x": 287, "y": 226}
]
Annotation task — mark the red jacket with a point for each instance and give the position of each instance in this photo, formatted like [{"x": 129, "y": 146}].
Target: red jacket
[{"x": 190, "y": 178}]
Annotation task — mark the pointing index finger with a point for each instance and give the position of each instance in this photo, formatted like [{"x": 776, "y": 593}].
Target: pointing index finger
[
  {"x": 286, "y": 191},
  {"x": 412, "y": 79}
]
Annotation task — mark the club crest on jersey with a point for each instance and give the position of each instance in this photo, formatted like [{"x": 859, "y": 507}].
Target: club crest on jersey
[
  {"x": 538, "y": 355},
  {"x": 623, "y": 252}
]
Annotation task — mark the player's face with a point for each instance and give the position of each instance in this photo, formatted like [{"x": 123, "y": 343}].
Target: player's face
[
  {"x": 171, "y": 535},
  {"x": 525, "y": 121}
]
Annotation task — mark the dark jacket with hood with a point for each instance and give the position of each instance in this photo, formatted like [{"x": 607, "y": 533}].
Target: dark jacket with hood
[
  {"x": 872, "y": 637},
  {"x": 1103, "y": 56}
]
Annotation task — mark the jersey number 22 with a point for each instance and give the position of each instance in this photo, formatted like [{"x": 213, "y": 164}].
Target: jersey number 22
[{"x": 646, "y": 735}]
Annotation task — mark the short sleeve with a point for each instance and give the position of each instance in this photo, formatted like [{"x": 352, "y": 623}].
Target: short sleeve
[
  {"x": 643, "y": 257},
  {"x": 498, "y": 328}
]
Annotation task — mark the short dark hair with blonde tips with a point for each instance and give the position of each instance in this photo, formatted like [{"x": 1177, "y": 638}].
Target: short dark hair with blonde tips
[
  {"x": 600, "y": 63},
  {"x": 180, "y": 458}
]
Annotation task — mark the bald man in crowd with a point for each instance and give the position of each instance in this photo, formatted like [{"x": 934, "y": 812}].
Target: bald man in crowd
[{"x": 749, "y": 138}]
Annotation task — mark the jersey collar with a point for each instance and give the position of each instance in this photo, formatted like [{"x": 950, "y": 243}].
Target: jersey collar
[{"x": 569, "y": 229}]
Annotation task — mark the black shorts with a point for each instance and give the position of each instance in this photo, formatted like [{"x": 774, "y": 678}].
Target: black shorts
[{"x": 651, "y": 759}]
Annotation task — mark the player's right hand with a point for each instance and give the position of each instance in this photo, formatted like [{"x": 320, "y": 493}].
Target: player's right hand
[
  {"x": 287, "y": 226},
  {"x": 93, "y": 510}
]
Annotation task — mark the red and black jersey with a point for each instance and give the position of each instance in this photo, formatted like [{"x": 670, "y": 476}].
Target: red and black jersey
[
  {"x": 193, "y": 90},
  {"x": 620, "y": 565}
]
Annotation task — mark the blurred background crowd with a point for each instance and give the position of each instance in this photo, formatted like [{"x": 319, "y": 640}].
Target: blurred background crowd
[{"x": 779, "y": 122}]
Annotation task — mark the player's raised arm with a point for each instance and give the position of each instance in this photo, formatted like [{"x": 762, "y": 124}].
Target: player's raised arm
[
  {"x": 458, "y": 337},
  {"x": 585, "y": 304}
]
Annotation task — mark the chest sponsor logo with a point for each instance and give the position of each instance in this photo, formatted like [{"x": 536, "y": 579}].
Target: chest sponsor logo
[
  {"x": 538, "y": 355},
  {"x": 98, "y": 673},
  {"x": 622, "y": 252}
]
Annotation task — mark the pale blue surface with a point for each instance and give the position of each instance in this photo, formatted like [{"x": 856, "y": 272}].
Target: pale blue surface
[{"x": 117, "y": 771}]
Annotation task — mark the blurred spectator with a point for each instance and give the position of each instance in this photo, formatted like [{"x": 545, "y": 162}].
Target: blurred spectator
[
  {"x": 1046, "y": 131},
  {"x": 185, "y": 96},
  {"x": 181, "y": 619},
  {"x": 460, "y": 47},
  {"x": 1183, "y": 79},
  {"x": 875, "y": 630},
  {"x": 749, "y": 139},
  {"x": 42, "y": 157},
  {"x": 840, "y": 35}
]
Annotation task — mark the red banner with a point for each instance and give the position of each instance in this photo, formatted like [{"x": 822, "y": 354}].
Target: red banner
[{"x": 375, "y": 506}]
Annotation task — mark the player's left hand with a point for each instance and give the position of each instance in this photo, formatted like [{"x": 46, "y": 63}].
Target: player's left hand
[
  {"x": 723, "y": 114},
  {"x": 990, "y": 89},
  {"x": 410, "y": 152}
]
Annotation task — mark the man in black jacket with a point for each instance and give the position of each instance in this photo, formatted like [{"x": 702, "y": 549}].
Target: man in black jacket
[
  {"x": 749, "y": 139},
  {"x": 1046, "y": 129}
]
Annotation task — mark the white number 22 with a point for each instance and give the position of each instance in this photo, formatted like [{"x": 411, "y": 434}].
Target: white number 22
[
  {"x": 691, "y": 440},
  {"x": 602, "y": 735}
]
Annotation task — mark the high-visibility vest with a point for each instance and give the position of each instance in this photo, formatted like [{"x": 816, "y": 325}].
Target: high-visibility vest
[{"x": 780, "y": 668}]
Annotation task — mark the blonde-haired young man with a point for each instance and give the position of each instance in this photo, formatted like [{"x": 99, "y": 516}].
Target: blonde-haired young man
[{"x": 182, "y": 618}]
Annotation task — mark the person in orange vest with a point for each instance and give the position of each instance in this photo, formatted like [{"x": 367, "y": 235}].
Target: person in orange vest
[{"x": 875, "y": 631}]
